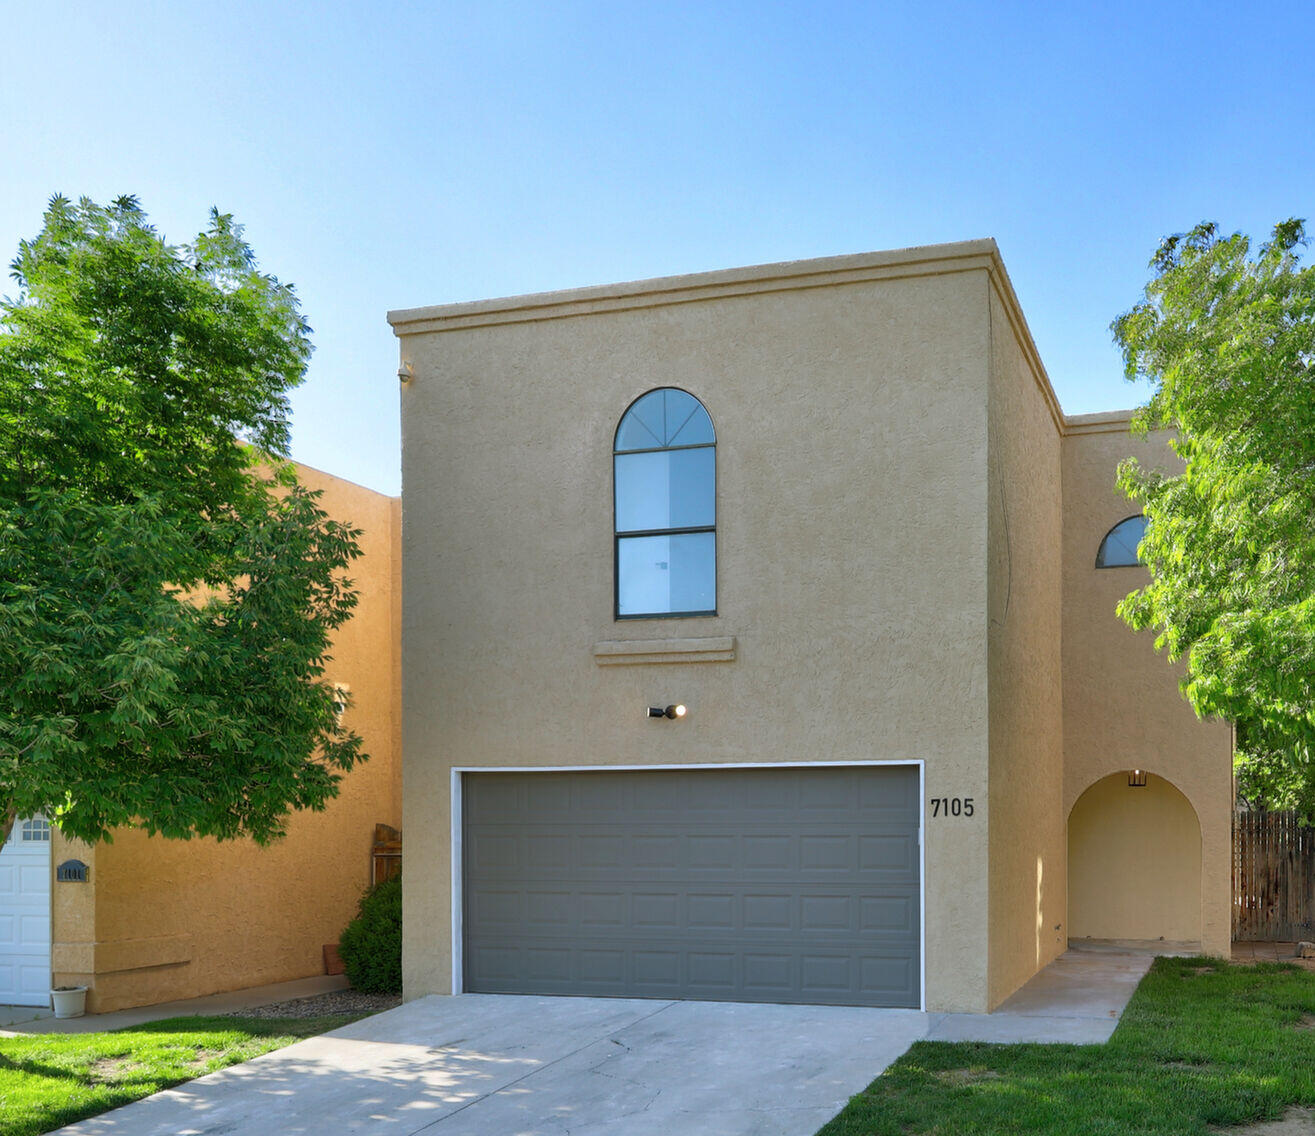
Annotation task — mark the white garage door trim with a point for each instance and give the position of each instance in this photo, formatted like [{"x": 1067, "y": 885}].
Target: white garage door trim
[{"x": 456, "y": 812}]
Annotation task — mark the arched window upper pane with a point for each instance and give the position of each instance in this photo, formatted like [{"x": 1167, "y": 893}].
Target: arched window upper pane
[
  {"x": 1119, "y": 548},
  {"x": 664, "y": 417},
  {"x": 665, "y": 476}
]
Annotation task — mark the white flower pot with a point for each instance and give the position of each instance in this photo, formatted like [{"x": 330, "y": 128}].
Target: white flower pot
[{"x": 69, "y": 1001}]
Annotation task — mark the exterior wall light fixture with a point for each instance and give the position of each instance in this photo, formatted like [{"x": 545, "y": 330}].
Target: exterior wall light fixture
[
  {"x": 675, "y": 711},
  {"x": 1137, "y": 779}
]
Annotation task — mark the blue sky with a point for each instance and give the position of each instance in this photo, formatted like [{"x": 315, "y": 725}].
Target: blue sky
[{"x": 391, "y": 155}]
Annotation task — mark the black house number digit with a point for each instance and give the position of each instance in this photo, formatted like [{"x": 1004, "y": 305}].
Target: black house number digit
[{"x": 951, "y": 806}]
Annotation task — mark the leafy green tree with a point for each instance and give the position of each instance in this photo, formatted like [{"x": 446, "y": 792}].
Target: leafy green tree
[
  {"x": 168, "y": 591},
  {"x": 1228, "y": 340}
]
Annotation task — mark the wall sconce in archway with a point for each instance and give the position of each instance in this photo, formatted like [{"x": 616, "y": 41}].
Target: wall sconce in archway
[
  {"x": 673, "y": 711},
  {"x": 1137, "y": 779}
]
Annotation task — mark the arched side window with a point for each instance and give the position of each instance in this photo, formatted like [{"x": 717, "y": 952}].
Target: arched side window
[
  {"x": 1119, "y": 548},
  {"x": 664, "y": 463}
]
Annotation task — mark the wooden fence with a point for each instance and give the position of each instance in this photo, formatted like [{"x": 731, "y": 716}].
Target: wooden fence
[
  {"x": 385, "y": 854},
  {"x": 1273, "y": 877}
]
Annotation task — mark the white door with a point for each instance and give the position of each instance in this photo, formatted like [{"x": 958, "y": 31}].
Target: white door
[{"x": 25, "y": 915}]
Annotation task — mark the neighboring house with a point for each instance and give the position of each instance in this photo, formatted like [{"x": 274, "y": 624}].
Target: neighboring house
[
  {"x": 854, "y": 536},
  {"x": 158, "y": 919}
]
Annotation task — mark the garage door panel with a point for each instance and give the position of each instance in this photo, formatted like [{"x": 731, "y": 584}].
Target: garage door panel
[
  {"x": 755, "y": 885},
  {"x": 880, "y": 852},
  {"x": 886, "y": 975},
  {"x": 768, "y": 912},
  {"x": 655, "y": 911},
  {"x": 655, "y": 852},
  {"x": 801, "y": 856},
  {"x": 25, "y": 924},
  {"x": 894, "y": 915},
  {"x": 35, "y": 931},
  {"x": 570, "y": 913}
]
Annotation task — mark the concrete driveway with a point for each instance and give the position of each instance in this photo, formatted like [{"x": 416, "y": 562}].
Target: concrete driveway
[{"x": 507, "y": 1065}]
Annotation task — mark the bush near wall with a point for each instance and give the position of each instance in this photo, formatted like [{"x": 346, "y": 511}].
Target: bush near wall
[{"x": 371, "y": 944}]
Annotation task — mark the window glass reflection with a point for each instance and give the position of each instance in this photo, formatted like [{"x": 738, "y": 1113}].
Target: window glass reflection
[
  {"x": 661, "y": 575},
  {"x": 661, "y": 418},
  {"x": 668, "y": 489},
  {"x": 665, "y": 478},
  {"x": 1119, "y": 548}
]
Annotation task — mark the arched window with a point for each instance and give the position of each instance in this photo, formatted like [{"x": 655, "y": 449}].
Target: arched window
[
  {"x": 1119, "y": 548},
  {"x": 665, "y": 468}
]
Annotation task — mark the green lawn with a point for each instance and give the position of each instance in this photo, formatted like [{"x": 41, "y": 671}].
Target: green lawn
[
  {"x": 48, "y": 1080},
  {"x": 1203, "y": 1044}
]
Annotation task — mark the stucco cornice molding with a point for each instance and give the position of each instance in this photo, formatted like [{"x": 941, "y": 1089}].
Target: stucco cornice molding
[
  {"x": 785, "y": 276},
  {"x": 631, "y": 652},
  {"x": 1106, "y": 422},
  {"x": 1004, "y": 291}
]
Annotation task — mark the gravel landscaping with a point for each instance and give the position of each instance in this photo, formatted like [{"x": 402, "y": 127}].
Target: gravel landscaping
[{"x": 336, "y": 1002}]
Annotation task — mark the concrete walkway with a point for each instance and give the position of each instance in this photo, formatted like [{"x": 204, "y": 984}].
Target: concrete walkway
[
  {"x": 477, "y": 1064},
  {"x": 1078, "y": 998},
  {"x": 34, "y": 1019}
]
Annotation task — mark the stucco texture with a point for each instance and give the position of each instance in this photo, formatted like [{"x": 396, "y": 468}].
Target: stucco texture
[
  {"x": 1027, "y": 847},
  {"x": 166, "y": 919},
  {"x": 1135, "y": 863},
  {"x": 906, "y": 534},
  {"x": 836, "y": 492},
  {"x": 1122, "y": 707}
]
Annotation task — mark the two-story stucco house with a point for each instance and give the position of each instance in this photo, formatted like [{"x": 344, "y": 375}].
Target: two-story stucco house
[{"x": 755, "y": 648}]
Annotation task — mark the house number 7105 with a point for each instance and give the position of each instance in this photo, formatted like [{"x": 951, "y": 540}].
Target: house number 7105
[{"x": 951, "y": 806}]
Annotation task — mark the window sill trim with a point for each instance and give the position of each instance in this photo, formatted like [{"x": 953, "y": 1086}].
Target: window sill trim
[{"x": 631, "y": 652}]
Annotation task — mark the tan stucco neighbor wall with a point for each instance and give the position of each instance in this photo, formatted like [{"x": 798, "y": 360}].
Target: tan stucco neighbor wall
[
  {"x": 851, "y": 548},
  {"x": 1122, "y": 708},
  {"x": 1027, "y": 846},
  {"x": 165, "y": 919}
]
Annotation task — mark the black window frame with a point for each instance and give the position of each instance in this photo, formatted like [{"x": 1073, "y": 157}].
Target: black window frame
[
  {"x": 1100, "y": 549},
  {"x": 629, "y": 534}
]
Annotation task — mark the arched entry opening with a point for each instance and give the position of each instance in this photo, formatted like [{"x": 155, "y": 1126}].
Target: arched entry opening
[{"x": 1134, "y": 862}]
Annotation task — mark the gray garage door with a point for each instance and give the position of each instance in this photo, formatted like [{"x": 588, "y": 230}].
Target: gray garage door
[{"x": 748, "y": 885}]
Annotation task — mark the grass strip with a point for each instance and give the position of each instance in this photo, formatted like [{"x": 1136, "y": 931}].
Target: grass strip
[
  {"x": 48, "y": 1080},
  {"x": 1202, "y": 1045}
]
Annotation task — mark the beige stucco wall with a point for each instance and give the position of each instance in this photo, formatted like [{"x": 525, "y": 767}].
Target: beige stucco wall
[
  {"x": 1134, "y": 863},
  {"x": 1122, "y": 708},
  {"x": 165, "y": 919},
  {"x": 1027, "y": 845},
  {"x": 852, "y": 533}
]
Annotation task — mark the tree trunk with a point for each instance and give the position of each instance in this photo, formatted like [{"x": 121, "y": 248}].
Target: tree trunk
[{"x": 7, "y": 819}]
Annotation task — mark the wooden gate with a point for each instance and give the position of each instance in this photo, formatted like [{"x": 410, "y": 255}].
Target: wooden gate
[
  {"x": 386, "y": 854},
  {"x": 1273, "y": 877}
]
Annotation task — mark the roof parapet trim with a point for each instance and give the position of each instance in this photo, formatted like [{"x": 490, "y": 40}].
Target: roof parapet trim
[
  {"x": 1102, "y": 422},
  {"x": 782, "y": 276}
]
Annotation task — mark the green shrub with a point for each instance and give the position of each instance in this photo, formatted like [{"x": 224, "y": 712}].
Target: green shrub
[{"x": 371, "y": 944}]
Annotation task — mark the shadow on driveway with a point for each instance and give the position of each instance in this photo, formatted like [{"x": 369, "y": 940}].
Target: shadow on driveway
[
  {"x": 494, "y": 1064},
  {"x": 478, "y": 1064}
]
